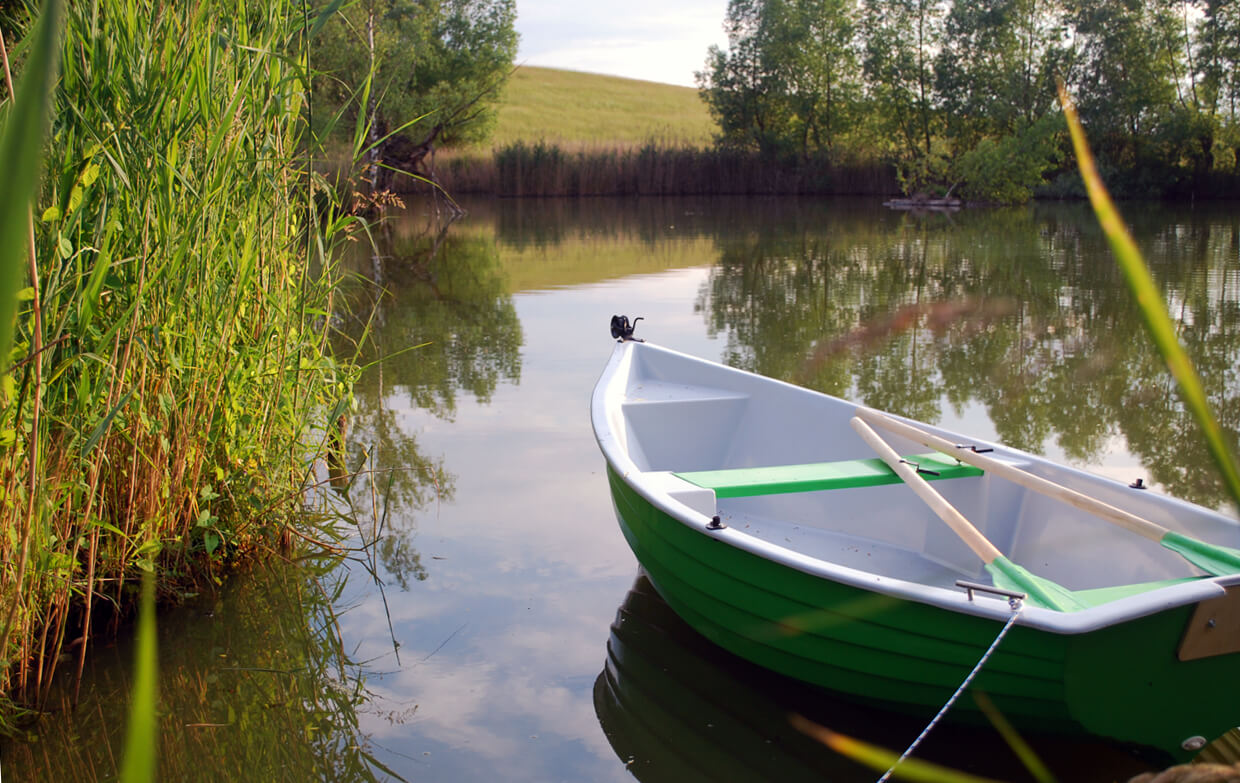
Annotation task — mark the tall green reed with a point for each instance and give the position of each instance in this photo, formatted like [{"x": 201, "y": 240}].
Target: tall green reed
[
  {"x": 21, "y": 142},
  {"x": 20, "y": 146},
  {"x": 170, "y": 367}
]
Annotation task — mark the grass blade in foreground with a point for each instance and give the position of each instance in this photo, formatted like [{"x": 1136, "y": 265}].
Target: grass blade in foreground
[
  {"x": 881, "y": 759},
  {"x": 1162, "y": 330},
  {"x": 20, "y": 160},
  {"x": 1028, "y": 758},
  {"x": 141, "y": 738},
  {"x": 21, "y": 147}
]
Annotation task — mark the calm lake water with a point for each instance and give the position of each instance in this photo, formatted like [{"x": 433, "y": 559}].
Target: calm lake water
[{"x": 490, "y": 622}]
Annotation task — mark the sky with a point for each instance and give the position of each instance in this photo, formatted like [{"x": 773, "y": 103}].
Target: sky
[{"x": 656, "y": 40}]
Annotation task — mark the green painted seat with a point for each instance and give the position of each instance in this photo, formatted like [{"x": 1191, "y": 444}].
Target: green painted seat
[{"x": 773, "y": 480}]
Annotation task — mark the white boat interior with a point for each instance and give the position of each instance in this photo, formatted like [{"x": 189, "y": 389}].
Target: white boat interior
[{"x": 678, "y": 414}]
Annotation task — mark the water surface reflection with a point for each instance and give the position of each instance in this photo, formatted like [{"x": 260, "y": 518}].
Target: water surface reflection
[
  {"x": 488, "y": 563},
  {"x": 677, "y": 708},
  {"x": 255, "y": 684},
  {"x": 1017, "y": 319}
]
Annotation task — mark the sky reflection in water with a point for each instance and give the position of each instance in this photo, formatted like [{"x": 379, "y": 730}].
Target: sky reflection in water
[
  {"x": 525, "y": 565},
  {"x": 501, "y": 558}
]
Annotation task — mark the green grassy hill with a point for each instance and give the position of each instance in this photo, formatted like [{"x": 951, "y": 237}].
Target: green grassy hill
[{"x": 575, "y": 109}]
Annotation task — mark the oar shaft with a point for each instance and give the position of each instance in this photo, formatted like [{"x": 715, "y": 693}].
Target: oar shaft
[
  {"x": 945, "y": 511},
  {"x": 1094, "y": 506}
]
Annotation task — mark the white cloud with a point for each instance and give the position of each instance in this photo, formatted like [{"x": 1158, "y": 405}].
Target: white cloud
[{"x": 641, "y": 39}]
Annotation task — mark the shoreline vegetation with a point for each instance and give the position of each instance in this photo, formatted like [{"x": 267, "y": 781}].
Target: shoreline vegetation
[
  {"x": 172, "y": 384},
  {"x": 543, "y": 169},
  {"x": 945, "y": 99}
]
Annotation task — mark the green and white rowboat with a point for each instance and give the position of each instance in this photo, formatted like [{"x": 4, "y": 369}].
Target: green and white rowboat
[{"x": 778, "y": 523}]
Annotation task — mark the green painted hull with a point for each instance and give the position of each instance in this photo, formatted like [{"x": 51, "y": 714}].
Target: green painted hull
[
  {"x": 677, "y": 708},
  {"x": 1123, "y": 682}
]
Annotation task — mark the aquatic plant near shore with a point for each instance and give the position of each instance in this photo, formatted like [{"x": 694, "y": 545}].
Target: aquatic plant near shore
[
  {"x": 170, "y": 378},
  {"x": 21, "y": 142}
]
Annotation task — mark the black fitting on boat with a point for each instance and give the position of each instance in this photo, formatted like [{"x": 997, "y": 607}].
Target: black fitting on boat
[
  {"x": 1138, "y": 484},
  {"x": 715, "y": 523},
  {"x": 919, "y": 469},
  {"x": 973, "y": 448},
  {"x": 622, "y": 330}
]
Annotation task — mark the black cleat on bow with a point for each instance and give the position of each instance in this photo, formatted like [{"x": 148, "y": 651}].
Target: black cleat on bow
[{"x": 622, "y": 330}]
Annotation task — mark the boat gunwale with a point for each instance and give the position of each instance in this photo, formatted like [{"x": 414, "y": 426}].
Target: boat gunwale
[{"x": 1081, "y": 621}]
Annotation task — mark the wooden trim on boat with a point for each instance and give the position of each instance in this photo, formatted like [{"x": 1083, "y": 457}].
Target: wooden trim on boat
[{"x": 1214, "y": 629}]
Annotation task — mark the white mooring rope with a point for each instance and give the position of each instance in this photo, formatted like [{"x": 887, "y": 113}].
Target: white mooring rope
[{"x": 1016, "y": 605}]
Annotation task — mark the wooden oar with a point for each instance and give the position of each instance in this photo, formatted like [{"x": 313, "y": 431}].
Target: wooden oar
[
  {"x": 1004, "y": 572},
  {"x": 1213, "y": 559}
]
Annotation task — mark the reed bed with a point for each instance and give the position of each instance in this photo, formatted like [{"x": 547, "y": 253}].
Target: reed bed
[
  {"x": 653, "y": 169},
  {"x": 171, "y": 377}
]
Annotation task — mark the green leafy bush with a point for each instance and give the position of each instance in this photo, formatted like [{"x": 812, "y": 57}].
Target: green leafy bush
[{"x": 1008, "y": 170}]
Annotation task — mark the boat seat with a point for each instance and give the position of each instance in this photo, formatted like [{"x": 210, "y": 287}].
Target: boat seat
[{"x": 777, "y": 479}]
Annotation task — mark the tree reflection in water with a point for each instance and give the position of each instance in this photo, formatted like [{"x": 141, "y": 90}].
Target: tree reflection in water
[
  {"x": 271, "y": 694},
  {"x": 1041, "y": 332},
  {"x": 1020, "y": 311},
  {"x": 677, "y": 708},
  {"x": 1015, "y": 315},
  {"x": 436, "y": 285}
]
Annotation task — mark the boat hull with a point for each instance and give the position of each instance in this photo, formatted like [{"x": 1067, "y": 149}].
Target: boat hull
[
  {"x": 677, "y": 708},
  {"x": 1123, "y": 682}
]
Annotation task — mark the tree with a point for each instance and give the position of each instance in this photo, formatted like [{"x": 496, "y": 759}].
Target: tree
[
  {"x": 996, "y": 70},
  {"x": 816, "y": 55},
  {"x": 962, "y": 92},
  {"x": 741, "y": 85},
  {"x": 1130, "y": 54},
  {"x": 1219, "y": 56},
  {"x": 901, "y": 37},
  {"x": 1007, "y": 169},
  {"x": 426, "y": 72},
  {"x": 995, "y": 76},
  {"x": 1218, "y": 61},
  {"x": 787, "y": 81}
]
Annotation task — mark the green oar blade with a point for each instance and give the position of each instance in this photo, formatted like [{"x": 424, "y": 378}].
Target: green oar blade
[
  {"x": 1215, "y": 560},
  {"x": 1039, "y": 592}
]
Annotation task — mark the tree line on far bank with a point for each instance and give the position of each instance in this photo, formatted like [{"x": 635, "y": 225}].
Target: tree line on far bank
[
  {"x": 961, "y": 94},
  {"x": 825, "y": 97}
]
